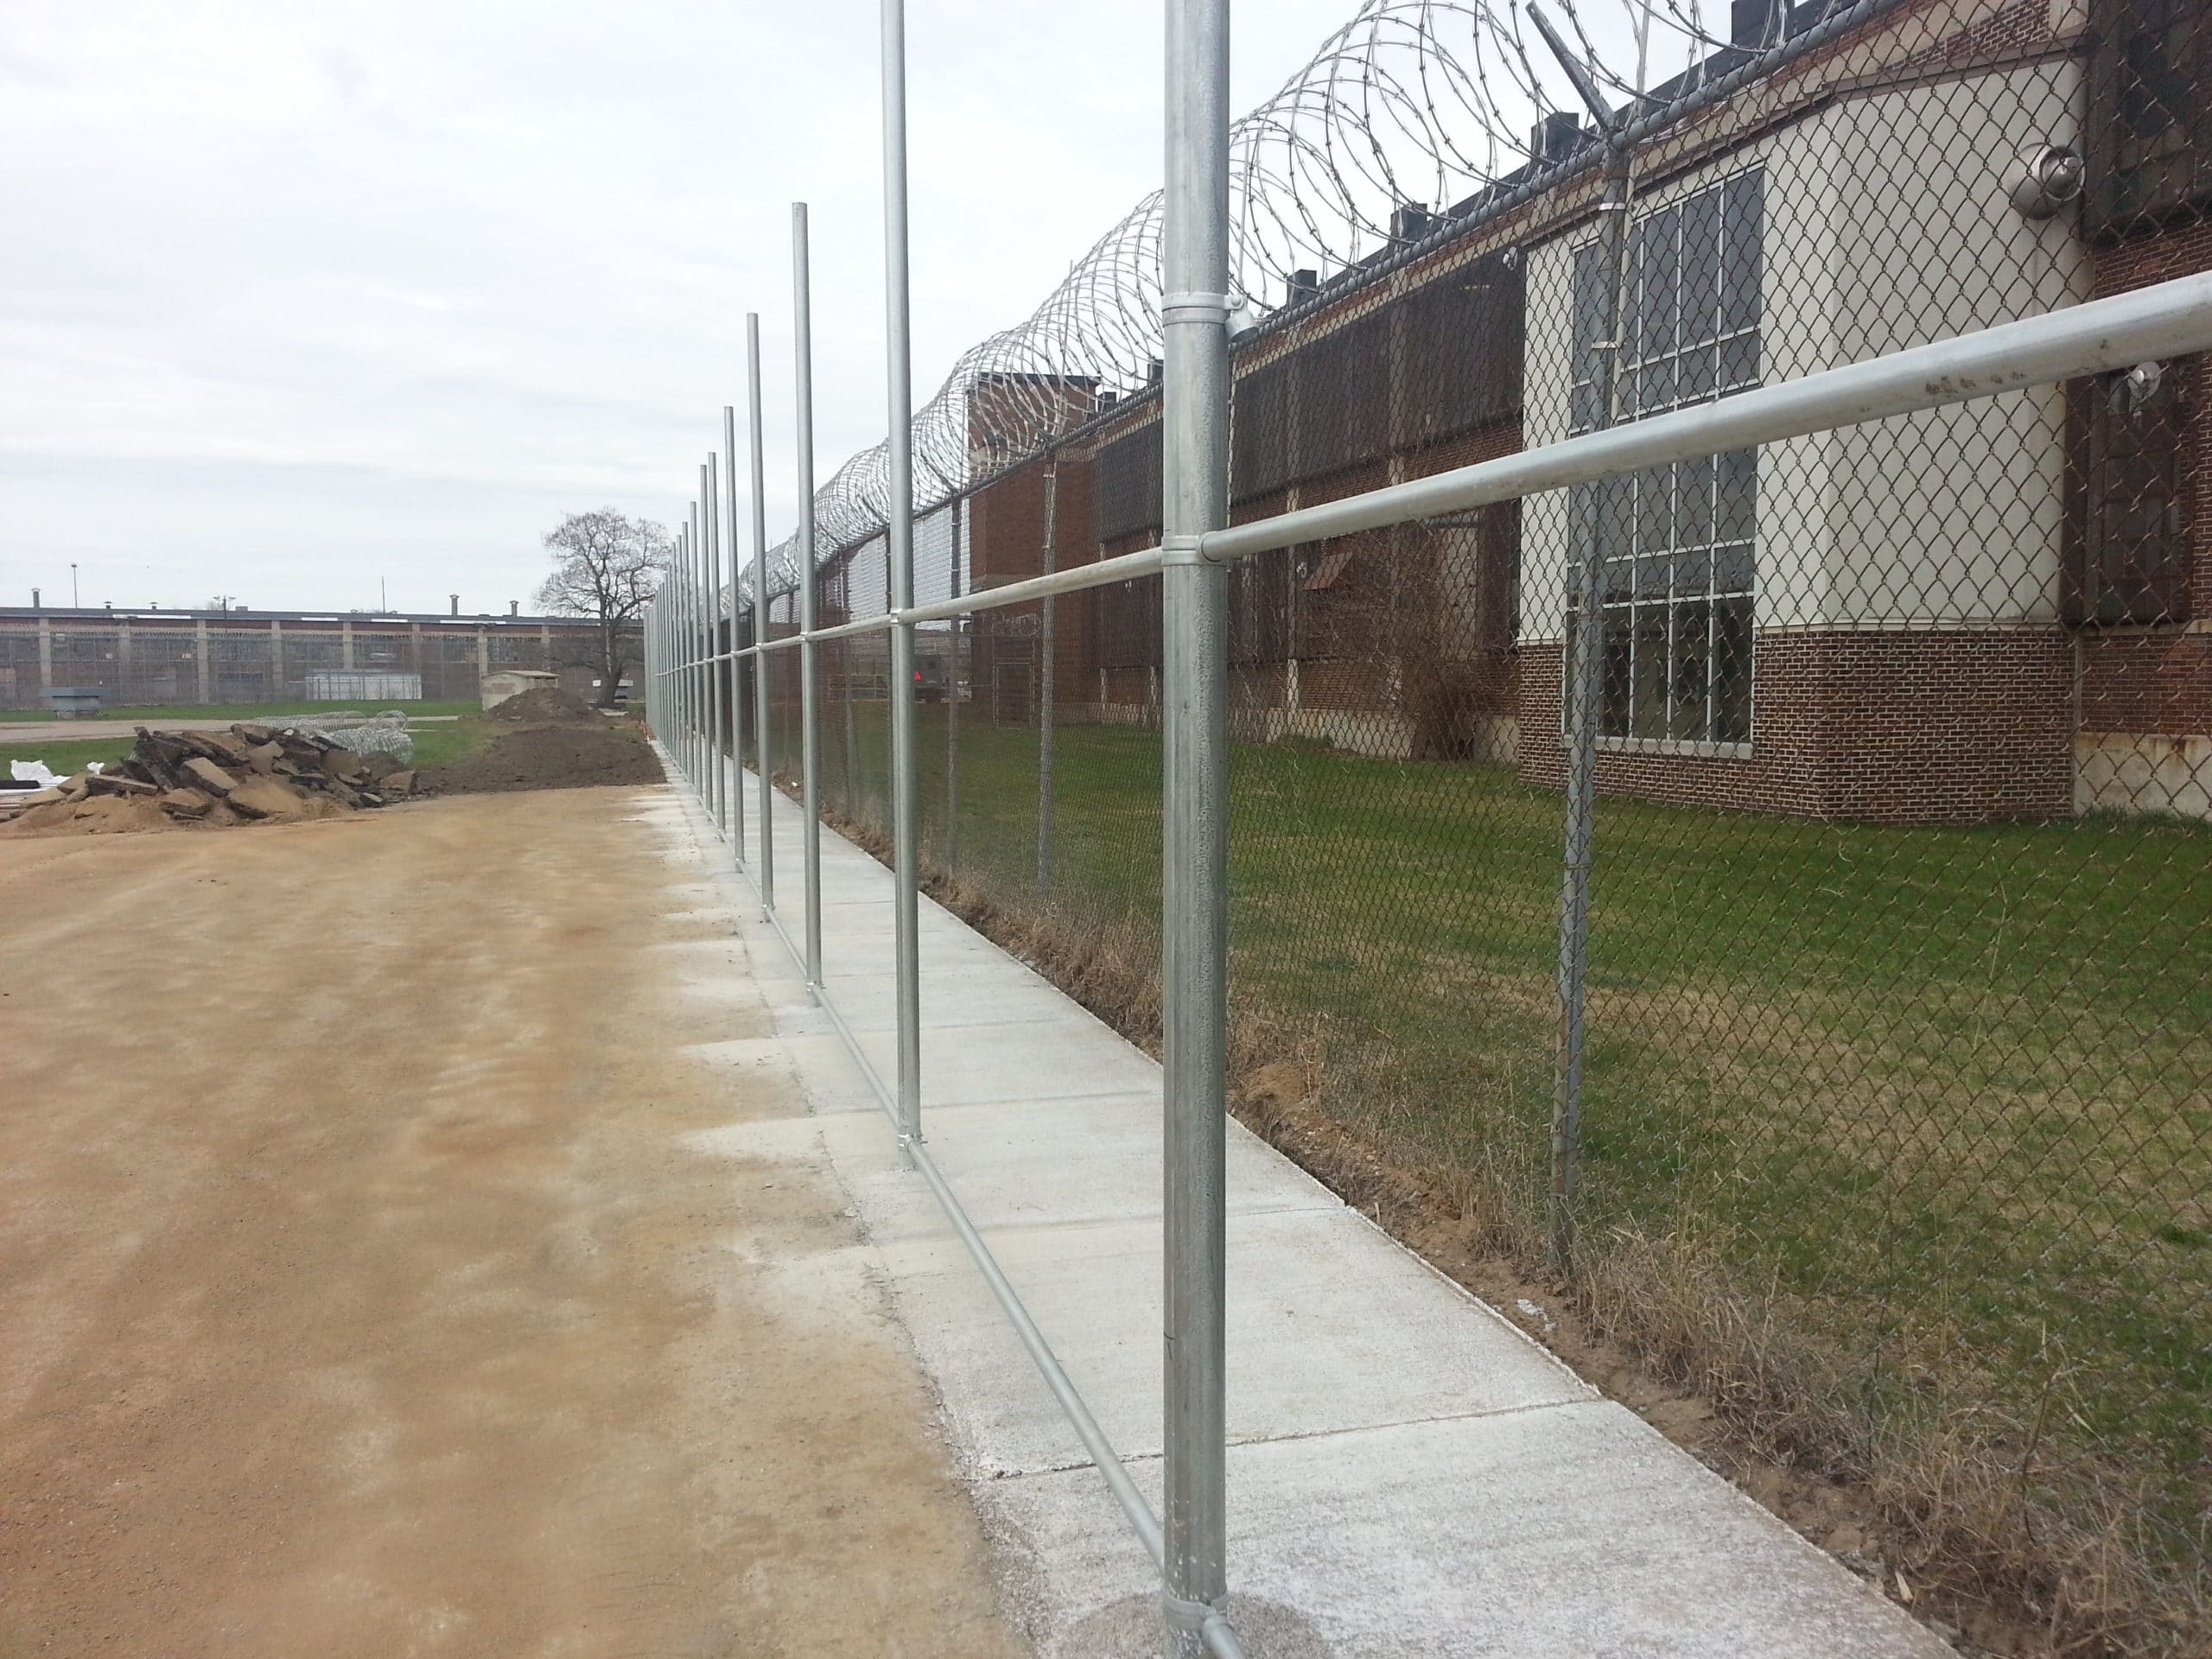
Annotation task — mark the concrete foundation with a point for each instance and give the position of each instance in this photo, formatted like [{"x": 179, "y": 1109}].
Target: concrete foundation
[{"x": 2125, "y": 772}]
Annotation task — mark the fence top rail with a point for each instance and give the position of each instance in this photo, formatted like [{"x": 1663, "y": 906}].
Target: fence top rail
[{"x": 2168, "y": 319}]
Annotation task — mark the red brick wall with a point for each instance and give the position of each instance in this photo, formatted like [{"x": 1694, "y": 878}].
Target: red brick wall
[
  {"x": 1006, "y": 543},
  {"x": 2152, "y": 680},
  {"x": 1344, "y": 684},
  {"x": 1895, "y": 727}
]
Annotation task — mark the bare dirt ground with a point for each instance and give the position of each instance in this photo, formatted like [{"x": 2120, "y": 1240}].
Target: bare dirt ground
[
  {"x": 571, "y": 755},
  {"x": 361, "y": 1298}
]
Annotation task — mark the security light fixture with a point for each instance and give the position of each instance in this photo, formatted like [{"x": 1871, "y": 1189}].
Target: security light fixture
[
  {"x": 2050, "y": 176},
  {"x": 2132, "y": 390}
]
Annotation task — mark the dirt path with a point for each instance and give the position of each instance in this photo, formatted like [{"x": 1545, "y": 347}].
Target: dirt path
[{"x": 361, "y": 1297}]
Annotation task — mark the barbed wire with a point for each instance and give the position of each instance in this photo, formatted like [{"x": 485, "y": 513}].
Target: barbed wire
[{"x": 1410, "y": 109}]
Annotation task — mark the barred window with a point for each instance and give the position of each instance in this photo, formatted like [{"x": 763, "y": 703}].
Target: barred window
[
  {"x": 1126, "y": 615},
  {"x": 1342, "y": 390},
  {"x": 2150, "y": 130},
  {"x": 382, "y": 650},
  {"x": 304, "y": 650},
  {"x": 1463, "y": 356},
  {"x": 1259, "y": 601},
  {"x": 2127, "y": 558},
  {"x": 1676, "y": 541},
  {"x": 1259, "y": 432},
  {"x": 1128, "y": 483}
]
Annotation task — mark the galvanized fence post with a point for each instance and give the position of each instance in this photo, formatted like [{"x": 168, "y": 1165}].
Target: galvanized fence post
[
  {"x": 852, "y": 741},
  {"x": 766, "y": 877},
  {"x": 1194, "y": 311},
  {"x": 810, "y": 742},
  {"x": 676, "y": 654},
  {"x": 713, "y": 590},
  {"x": 692, "y": 653},
  {"x": 695, "y": 605},
  {"x": 700, "y": 782},
  {"x": 1048, "y": 559},
  {"x": 958, "y": 626},
  {"x": 1583, "y": 671},
  {"x": 728, "y": 518},
  {"x": 899, "y": 547},
  {"x": 668, "y": 660},
  {"x": 688, "y": 760}
]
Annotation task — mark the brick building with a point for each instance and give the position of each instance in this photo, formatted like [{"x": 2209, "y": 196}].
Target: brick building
[{"x": 1994, "y": 611}]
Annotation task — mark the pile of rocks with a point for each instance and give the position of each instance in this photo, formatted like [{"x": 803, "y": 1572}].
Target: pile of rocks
[{"x": 249, "y": 773}]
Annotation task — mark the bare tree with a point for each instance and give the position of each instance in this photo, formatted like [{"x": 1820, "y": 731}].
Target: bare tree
[{"x": 608, "y": 568}]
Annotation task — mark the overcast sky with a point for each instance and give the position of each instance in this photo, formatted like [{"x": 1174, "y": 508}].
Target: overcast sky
[{"x": 296, "y": 297}]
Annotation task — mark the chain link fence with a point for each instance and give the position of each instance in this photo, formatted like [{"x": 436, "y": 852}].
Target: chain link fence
[
  {"x": 1866, "y": 1085},
  {"x": 165, "y": 660}
]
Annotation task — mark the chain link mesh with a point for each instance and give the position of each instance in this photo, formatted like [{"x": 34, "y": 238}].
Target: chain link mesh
[
  {"x": 1893, "y": 1129},
  {"x": 163, "y": 659}
]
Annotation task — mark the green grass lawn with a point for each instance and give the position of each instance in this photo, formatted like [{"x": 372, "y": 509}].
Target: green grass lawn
[
  {"x": 1939, "y": 1091},
  {"x": 224, "y": 714},
  {"x": 443, "y": 745}
]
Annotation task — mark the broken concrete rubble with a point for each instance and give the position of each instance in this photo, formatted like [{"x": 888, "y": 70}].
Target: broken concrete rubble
[
  {"x": 251, "y": 773},
  {"x": 206, "y": 774},
  {"x": 186, "y": 804}
]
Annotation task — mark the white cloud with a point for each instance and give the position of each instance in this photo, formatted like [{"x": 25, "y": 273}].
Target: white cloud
[{"x": 300, "y": 296}]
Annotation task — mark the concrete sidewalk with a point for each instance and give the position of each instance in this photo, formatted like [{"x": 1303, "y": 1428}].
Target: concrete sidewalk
[{"x": 1408, "y": 1473}]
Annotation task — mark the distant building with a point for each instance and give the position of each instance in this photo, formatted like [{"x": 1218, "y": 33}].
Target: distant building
[{"x": 149, "y": 659}]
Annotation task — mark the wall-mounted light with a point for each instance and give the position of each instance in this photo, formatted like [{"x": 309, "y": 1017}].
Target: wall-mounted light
[
  {"x": 2134, "y": 389},
  {"x": 2050, "y": 176}
]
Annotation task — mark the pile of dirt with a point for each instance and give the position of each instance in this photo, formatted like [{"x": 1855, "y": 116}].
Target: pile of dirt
[
  {"x": 249, "y": 774},
  {"x": 543, "y": 702},
  {"x": 549, "y": 757}
]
